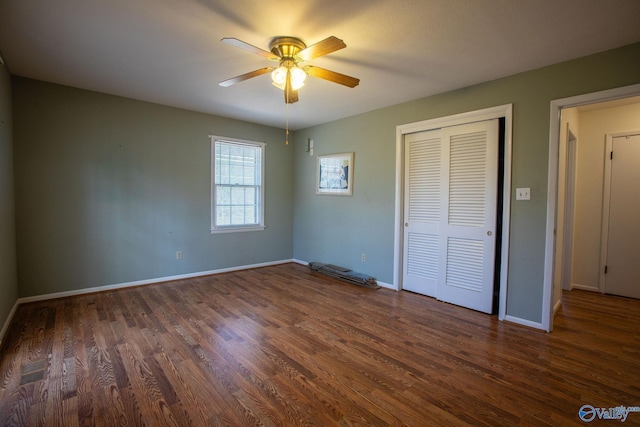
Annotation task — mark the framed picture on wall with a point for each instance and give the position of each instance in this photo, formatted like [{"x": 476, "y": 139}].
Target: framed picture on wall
[{"x": 335, "y": 174}]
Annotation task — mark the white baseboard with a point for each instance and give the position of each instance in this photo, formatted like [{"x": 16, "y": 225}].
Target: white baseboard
[
  {"x": 557, "y": 307},
  {"x": 54, "y": 295},
  {"x": 584, "y": 287},
  {"x": 387, "y": 285},
  {"x": 95, "y": 289},
  {"x": 524, "y": 322},
  {"x": 7, "y": 322},
  {"x": 146, "y": 282}
]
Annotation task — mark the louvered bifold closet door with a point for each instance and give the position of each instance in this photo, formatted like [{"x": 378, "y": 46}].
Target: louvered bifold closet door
[
  {"x": 467, "y": 225},
  {"x": 422, "y": 206}
]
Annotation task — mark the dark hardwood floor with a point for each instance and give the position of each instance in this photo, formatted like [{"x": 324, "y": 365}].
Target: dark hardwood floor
[{"x": 282, "y": 345}]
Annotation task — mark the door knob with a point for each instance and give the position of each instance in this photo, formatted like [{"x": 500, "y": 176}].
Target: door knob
[{"x": 489, "y": 233}]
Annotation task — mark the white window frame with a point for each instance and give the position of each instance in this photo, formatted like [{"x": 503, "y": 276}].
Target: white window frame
[{"x": 260, "y": 225}]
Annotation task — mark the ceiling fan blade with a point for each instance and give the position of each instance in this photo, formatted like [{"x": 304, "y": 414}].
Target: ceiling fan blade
[
  {"x": 250, "y": 48},
  {"x": 332, "y": 76},
  {"x": 290, "y": 95},
  {"x": 324, "y": 47},
  {"x": 243, "y": 77}
]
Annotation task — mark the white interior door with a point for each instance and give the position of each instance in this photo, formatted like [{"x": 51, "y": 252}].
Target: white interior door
[
  {"x": 468, "y": 218},
  {"x": 623, "y": 243},
  {"x": 450, "y": 213},
  {"x": 422, "y": 211}
]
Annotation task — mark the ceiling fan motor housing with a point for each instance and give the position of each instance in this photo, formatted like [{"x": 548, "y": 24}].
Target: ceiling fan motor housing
[{"x": 286, "y": 47}]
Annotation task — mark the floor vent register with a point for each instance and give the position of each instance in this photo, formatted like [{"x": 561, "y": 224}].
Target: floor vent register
[{"x": 345, "y": 274}]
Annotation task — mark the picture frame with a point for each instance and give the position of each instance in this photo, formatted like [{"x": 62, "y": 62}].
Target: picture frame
[{"x": 334, "y": 175}]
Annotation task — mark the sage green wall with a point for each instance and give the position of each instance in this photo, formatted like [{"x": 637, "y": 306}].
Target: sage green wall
[
  {"x": 108, "y": 189},
  {"x": 8, "y": 275},
  {"x": 339, "y": 229}
]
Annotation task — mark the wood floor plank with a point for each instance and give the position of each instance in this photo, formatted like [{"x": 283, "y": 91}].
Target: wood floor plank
[{"x": 286, "y": 346}]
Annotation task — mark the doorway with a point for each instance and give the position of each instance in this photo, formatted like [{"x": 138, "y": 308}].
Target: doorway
[
  {"x": 502, "y": 117},
  {"x": 451, "y": 208},
  {"x": 555, "y": 268}
]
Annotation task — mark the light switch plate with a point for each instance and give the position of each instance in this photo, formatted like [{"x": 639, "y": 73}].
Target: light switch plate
[{"x": 523, "y": 193}]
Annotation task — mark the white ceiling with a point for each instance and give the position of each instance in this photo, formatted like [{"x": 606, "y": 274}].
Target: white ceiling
[{"x": 169, "y": 51}]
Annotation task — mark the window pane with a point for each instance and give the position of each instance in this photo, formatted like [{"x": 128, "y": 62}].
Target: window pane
[
  {"x": 236, "y": 175},
  {"x": 250, "y": 214},
  {"x": 223, "y": 215},
  {"x": 222, "y": 174},
  {"x": 250, "y": 196},
  {"x": 224, "y": 195},
  {"x": 237, "y": 196},
  {"x": 237, "y": 215}
]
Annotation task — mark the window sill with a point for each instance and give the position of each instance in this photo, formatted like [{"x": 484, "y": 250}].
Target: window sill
[{"x": 238, "y": 229}]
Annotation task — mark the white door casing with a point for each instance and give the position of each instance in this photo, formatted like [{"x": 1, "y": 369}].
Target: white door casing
[
  {"x": 552, "y": 181},
  {"x": 502, "y": 111}
]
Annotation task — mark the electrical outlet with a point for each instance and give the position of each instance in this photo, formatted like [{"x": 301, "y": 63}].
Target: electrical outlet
[
  {"x": 363, "y": 257},
  {"x": 178, "y": 254}
]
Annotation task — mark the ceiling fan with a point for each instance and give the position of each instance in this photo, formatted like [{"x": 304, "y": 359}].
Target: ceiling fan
[{"x": 291, "y": 53}]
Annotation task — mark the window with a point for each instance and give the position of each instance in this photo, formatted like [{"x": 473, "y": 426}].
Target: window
[{"x": 237, "y": 190}]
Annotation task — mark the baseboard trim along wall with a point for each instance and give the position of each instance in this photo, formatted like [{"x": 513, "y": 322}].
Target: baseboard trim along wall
[
  {"x": 55, "y": 295},
  {"x": 523, "y": 322},
  {"x": 5, "y": 327},
  {"x": 557, "y": 307},
  {"x": 146, "y": 282},
  {"x": 584, "y": 287}
]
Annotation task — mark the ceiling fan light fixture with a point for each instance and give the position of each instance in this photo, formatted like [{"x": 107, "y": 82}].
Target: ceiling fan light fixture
[
  {"x": 297, "y": 78},
  {"x": 279, "y": 76}
]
